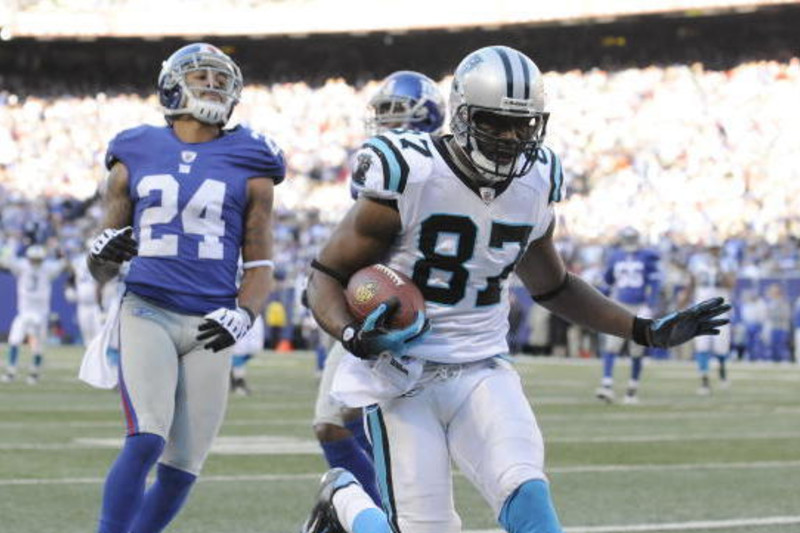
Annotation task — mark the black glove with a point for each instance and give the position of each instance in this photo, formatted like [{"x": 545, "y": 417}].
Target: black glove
[
  {"x": 224, "y": 327},
  {"x": 114, "y": 245},
  {"x": 681, "y": 326},
  {"x": 373, "y": 337}
]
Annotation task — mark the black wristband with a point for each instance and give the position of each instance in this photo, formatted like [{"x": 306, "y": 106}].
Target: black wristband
[
  {"x": 341, "y": 278},
  {"x": 641, "y": 327},
  {"x": 549, "y": 295},
  {"x": 350, "y": 338}
]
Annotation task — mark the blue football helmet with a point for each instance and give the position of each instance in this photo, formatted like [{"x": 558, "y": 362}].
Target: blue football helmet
[
  {"x": 406, "y": 100},
  {"x": 202, "y": 81},
  {"x": 629, "y": 238}
]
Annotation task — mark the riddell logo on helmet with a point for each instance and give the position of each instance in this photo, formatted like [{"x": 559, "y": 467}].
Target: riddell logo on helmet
[{"x": 516, "y": 103}]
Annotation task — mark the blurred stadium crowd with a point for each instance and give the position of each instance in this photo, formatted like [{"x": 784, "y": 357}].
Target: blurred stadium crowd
[{"x": 687, "y": 154}]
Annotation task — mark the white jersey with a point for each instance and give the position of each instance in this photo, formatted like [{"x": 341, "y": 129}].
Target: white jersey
[
  {"x": 458, "y": 242},
  {"x": 34, "y": 284},
  {"x": 710, "y": 279},
  {"x": 85, "y": 284}
]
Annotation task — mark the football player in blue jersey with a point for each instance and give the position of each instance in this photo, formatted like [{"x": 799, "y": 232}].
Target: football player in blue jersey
[
  {"x": 633, "y": 278},
  {"x": 458, "y": 214},
  {"x": 405, "y": 100},
  {"x": 182, "y": 203}
]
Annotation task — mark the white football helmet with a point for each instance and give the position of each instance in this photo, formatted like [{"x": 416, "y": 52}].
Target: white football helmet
[
  {"x": 497, "y": 112},
  {"x": 36, "y": 253},
  {"x": 212, "y": 100}
]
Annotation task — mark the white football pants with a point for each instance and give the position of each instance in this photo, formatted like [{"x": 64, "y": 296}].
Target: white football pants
[{"x": 475, "y": 414}]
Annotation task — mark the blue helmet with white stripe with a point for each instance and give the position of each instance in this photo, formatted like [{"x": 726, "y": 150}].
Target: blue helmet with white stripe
[
  {"x": 407, "y": 100},
  {"x": 497, "y": 112},
  {"x": 199, "y": 80}
]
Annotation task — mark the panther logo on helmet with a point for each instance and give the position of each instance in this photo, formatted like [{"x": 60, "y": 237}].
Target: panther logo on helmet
[
  {"x": 201, "y": 81},
  {"x": 497, "y": 112},
  {"x": 407, "y": 100}
]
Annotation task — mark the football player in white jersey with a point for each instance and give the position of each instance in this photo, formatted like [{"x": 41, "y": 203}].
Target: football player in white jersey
[
  {"x": 711, "y": 276},
  {"x": 458, "y": 214},
  {"x": 84, "y": 291},
  {"x": 34, "y": 286},
  {"x": 405, "y": 100}
]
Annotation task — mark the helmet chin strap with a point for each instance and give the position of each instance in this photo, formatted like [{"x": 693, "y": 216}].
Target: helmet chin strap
[
  {"x": 463, "y": 162},
  {"x": 479, "y": 160},
  {"x": 466, "y": 164}
]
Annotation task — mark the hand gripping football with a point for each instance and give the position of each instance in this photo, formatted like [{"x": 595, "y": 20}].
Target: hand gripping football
[{"x": 377, "y": 283}]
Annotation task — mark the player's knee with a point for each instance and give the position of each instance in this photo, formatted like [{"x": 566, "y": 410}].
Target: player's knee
[
  {"x": 530, "y": 509},
  {"x": 326, "y": 432},
  {"x": 144, "y": 447}
]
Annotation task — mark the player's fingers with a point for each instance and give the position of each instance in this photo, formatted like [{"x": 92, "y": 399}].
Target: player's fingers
[
  {"x": 128, "y": 250},
  {"x": 129, "y": 244},
  {"x": 716, "y": 311},
  {"x": 373, "y": 319},
  {"x": 712, "y": 332},
  {"x": 124, "y": 246},
  {"x": 392, "y": 306},
  {"x": 718, "y": 323},
  {"x": 222, "y": 342},
  {"x": 416, "y": 330},
  {"x": 203, "y": 335},
  {"x": 118, "y": 251},
  {"x": 710, "y": 303}
]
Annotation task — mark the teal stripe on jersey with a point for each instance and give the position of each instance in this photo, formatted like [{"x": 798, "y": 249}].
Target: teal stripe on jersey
[
  {"x": 380, "y": 455},
  {"x": 394, "y": 166},
  {"x": 556, "y": 177}
]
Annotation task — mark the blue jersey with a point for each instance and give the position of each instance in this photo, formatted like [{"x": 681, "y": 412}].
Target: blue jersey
[
  {"x": 633, "y": 277},
  {"x": 189, "y": 208}
]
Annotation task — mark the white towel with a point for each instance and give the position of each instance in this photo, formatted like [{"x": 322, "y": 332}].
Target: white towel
[
  {"x": 360, "y": 382},
  {"x": 96, "y": 370}
]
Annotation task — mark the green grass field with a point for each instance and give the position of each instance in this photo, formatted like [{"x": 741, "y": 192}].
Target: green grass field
[{"x": 677, "y": 462}]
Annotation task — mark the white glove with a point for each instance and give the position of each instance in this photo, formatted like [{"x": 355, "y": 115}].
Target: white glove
[
  {"x": 224, "y": 327},
  {"x": 114, "y": 245}
]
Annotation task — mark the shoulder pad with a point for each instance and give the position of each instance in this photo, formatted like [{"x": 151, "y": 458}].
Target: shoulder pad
[
  {"x": 123, "y": 145},
  {"x": 384, "y": 164},
  {"x": 550, "y": 167},
  {"x": 262, "y": 154}
]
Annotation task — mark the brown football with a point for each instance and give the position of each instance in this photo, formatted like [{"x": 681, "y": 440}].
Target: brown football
[{"x": 377, "y": 283}]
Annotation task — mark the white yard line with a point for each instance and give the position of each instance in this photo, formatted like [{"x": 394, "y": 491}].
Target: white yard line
[
  {"x": 675, "y": 526},
  {"x": 676, "y": 438},
  {"x": 279, "y": 444},
  {"x": 593, "y": 417},
  {"x": 555, "y": 470},
  {"x": 757, "y": 465}
]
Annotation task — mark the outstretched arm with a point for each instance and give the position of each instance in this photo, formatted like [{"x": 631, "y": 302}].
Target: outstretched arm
[{"x": 544, "y": 274}]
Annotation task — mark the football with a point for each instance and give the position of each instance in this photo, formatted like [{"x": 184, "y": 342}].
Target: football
[{"x": 377, "y": 283}]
